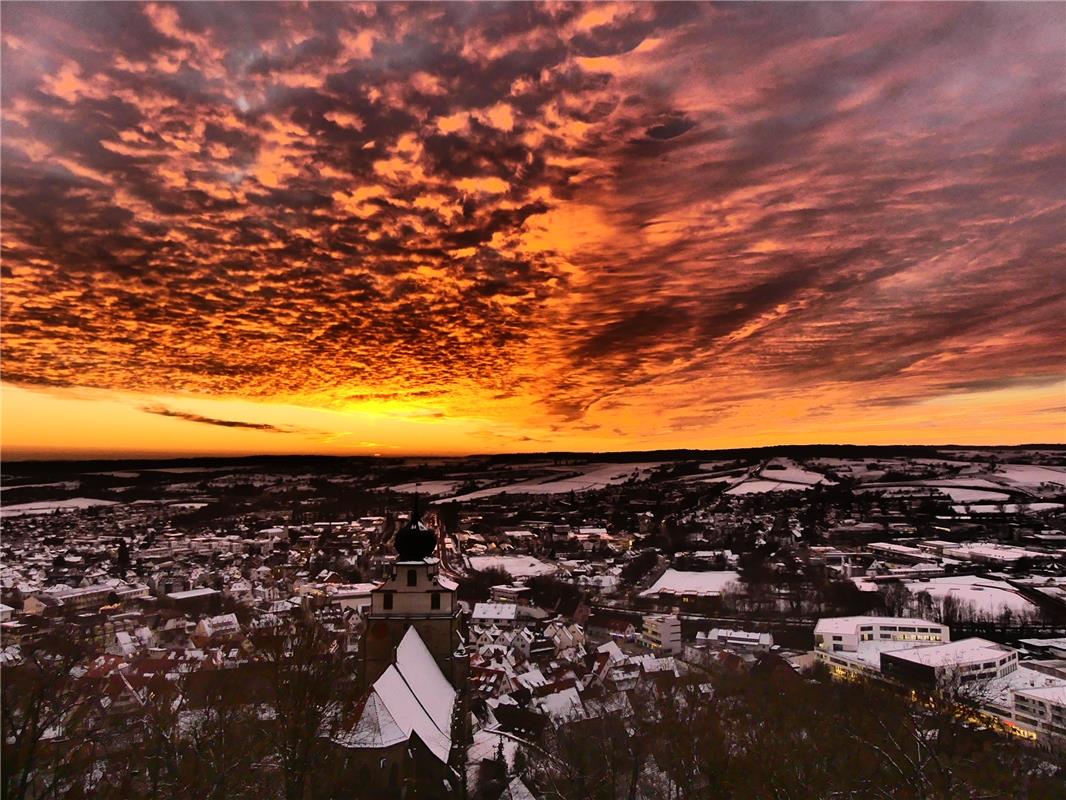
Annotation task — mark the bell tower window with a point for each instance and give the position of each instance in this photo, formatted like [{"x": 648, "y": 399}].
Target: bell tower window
[
  {"x": 412, "y": 577},
  {"x": 434, "y": 600},
  {"x": 387, "y": 601}
]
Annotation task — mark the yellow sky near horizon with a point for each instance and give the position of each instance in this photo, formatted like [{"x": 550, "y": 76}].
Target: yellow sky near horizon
[{"x": 43, "y": 423}]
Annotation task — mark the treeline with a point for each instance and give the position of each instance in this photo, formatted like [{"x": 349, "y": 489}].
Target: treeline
[
  {"x": 772, "y": 734},
  {"x": 262, "y": 730}
]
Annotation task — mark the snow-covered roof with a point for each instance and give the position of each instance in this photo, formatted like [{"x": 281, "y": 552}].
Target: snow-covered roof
[
  {"x": 494, "y": 611},
  {"x": 840, "y": 625},
  {"x": 675, "y": 581},
  {"x": 562, "y": 706},
  {"x": 964, "y": 651},
  {"x": 412, "y": 696},
  {"x": 376, "y": 726},
  {"x": 418, "y": 667},
  {"x": 1052, "y": 694},
  {"x": 191, "y": 593}
]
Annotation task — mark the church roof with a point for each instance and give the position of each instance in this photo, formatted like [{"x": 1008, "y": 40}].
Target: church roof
[
  {"x": 412, "y": 696},
  {"x": 418, "y": 667},
  {"x": 376, "y": 726}
]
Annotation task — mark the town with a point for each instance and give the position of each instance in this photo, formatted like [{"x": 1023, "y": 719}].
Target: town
[{"x": 452, "y": 627}]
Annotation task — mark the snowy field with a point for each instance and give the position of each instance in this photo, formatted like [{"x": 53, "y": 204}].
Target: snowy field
[
  {"x": 71, "y": 504},
  {"x": 1006, "y": 508},
  {"x": 787, "y": 471},
  {"x": 64, "y": 485},
  {"x": 779, "y": 475},
  {"x": 756, "y": 486},
  {"x": 429, "y": 488},
  {"x": 593, "y": 476},
  {"x": 1030, "y": 474},
  {"x": 988, "y": 596},
  {"x": 515, "y": 566},
  {"x": 960, "y": 495}
]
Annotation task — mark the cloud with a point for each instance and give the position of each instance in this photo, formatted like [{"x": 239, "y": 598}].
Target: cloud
[
  {"x": 554, "y": 213},
  {"x": 163, "y": 411}
]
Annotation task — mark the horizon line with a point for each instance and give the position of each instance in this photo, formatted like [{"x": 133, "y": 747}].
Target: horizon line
[{"x": 61, "y": 457}]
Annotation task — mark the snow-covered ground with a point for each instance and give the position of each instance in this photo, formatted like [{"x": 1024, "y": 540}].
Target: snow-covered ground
[
  {"x": 788, "y": 471},
  {"x": 963, "y": 481},
  {"x": 1006, "y": 508},
  {"x": 57, "y": 485},
  {"x": 987, "y": 595},
  {"x": 515, "y": 566},
  {"x": 593, "y": 476},
  {"x": 756, "y": 486},
  {"x": 47, "y": 507},
  {"x": 960, "y": 495},
  {"x": 779, "y": 475},
  {"x": 1030, "y": 475},
  {"x": 429, "y": 488}
]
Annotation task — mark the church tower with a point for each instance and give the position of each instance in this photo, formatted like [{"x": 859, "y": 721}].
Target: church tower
[{"x": 414, "y": 594}]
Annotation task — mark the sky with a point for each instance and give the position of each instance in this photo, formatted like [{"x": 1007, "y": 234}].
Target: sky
[{"x": 465, "y": 228}]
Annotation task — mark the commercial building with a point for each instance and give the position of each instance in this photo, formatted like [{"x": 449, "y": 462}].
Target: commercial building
[
  {"x": 964, "y": 661},
  {"x": 853, "y": 645},
  {"x": 846, "y": 634},
  {"x": 1041, "y": 711}
]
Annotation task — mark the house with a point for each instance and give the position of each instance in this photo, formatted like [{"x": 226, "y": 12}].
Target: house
[
  {"x": 503, "y": 615},
  {"x": 215, "y": 629}
]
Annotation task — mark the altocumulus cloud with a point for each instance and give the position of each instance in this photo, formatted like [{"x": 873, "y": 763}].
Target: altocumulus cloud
[{"x": 571, "y": 205}]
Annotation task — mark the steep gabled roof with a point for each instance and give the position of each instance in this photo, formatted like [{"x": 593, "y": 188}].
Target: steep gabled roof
[
  {"x": 376, "y": 726},
  {"x": 412, "y": 697},
  {"x": 410, "y": 715},
  {"x": 418, "y": 667}
]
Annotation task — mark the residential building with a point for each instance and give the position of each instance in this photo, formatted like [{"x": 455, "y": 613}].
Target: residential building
[{"x": 662, "y": 633}]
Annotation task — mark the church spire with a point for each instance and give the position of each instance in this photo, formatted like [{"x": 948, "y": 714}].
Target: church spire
[{"x": 414, "y": 541}]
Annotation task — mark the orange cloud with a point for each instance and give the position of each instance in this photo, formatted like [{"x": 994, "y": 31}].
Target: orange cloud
[{"x": 563, "y": 221}]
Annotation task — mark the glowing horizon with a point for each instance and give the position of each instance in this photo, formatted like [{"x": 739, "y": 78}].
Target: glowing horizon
[{"x": 449, "y": 229}]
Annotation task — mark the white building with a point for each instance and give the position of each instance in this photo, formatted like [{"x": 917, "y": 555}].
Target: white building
[
  {"x": 1041, "y": 711},
  {"x": 222, "y": 626},
  {"x": 662, "y": 633},
  {"x": 964, "y": 661},
  {"x": 502, "y": 615},
  {"x": 726, "y": 637},
  {"x": 853, "y": 645},
  {"x": 846, "y": 634}
]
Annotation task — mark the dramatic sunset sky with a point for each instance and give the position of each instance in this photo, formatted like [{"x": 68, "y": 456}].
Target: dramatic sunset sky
[{"x": 456, "y": 228}]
